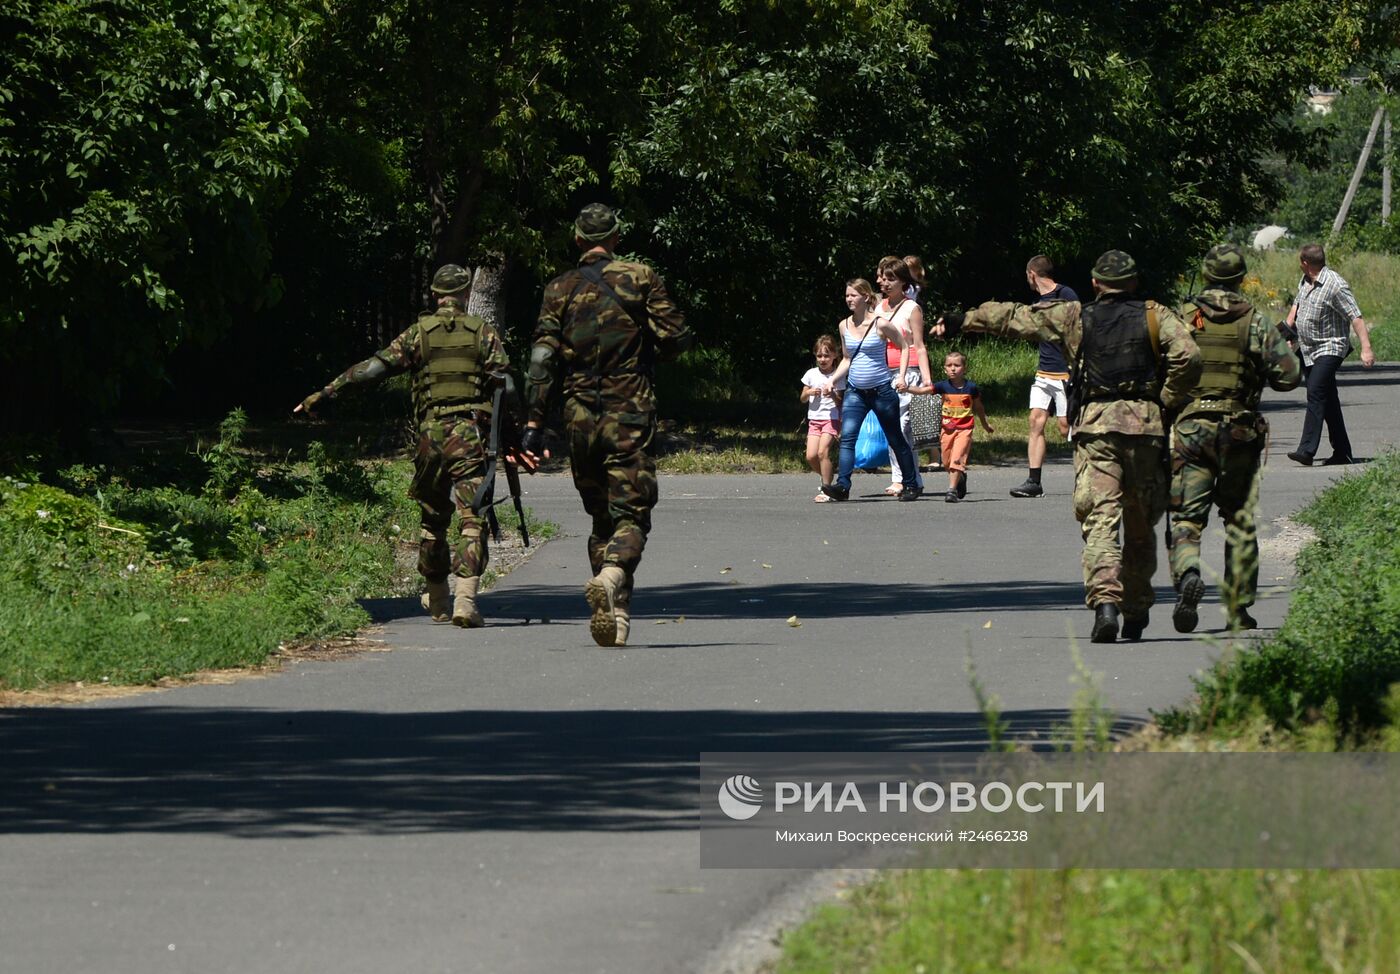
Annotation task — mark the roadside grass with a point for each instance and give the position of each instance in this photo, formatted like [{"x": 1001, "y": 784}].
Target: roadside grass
[
  {"x": 1330, "y": 678},
  {"x": 1374, "y": 279},
  {"x": 734, "y": 435},
  {"x": 183, "y": 560},
  {"x": 1105, "y": 921}
]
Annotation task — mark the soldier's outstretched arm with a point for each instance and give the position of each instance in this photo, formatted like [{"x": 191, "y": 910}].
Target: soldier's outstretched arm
[
  {"x": 1057, "y": 322},
  {"x": 1182, "y": 359},
  {"x": 399, "y": 356}
]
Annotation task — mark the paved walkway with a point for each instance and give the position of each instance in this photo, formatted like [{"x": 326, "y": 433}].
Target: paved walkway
[{"x": 515, "y": 799}]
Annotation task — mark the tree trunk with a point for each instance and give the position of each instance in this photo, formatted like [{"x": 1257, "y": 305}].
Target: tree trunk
[{"x": 488, "y": 297}]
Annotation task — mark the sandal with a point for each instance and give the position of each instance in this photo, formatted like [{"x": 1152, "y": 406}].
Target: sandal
[{"x": 821, "y": 498}]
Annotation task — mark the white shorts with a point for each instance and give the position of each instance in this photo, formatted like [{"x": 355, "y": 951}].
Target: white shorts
[{"x": 1045, "y": 392}]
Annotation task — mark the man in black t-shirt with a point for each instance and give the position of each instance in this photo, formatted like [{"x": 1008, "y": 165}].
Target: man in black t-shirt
[{"x": 1051, "y": 376}]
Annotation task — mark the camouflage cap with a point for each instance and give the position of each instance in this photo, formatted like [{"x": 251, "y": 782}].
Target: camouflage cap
[
  {"x": 451, "y": 278},
  {"x": 596, "y": 223},
  {"x": 1223, "y": 263},
  {"x": 1114, "y": 267}
]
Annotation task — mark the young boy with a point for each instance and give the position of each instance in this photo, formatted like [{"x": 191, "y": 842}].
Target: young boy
[{"x": 961, "y": 401}]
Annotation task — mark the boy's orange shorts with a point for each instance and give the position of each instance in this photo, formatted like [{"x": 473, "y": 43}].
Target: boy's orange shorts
[{"x": 956, "y": 446}]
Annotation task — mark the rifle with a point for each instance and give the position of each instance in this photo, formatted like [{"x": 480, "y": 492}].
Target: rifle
[{"x": 499, "y": 448}]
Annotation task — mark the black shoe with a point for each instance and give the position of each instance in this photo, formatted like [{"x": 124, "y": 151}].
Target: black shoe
[
  {"x": 1241, "y": 620},
  {"x": 909, "y": 494},
  {"x": 836, "y": 492},
  {"x": 951, "y": 497},
  {"x": 1105, "y": 623},
  {"x": 1133, "y": 627},
  {"x": 1336, "y": 460},
  {"x": 1190, "y": 590},
  {"x": 1302, "y": 458},
  {"x": 962, "y": 486},
  {"x": 1028, "y": 489}
]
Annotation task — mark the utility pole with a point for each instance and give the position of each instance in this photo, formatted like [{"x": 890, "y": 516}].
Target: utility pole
[
  {"x": 1356, "y": 175},
  {"x": 1385, "y": 173}
]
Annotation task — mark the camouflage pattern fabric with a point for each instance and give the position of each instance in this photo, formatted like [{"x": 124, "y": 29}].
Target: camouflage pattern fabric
[
  {"x": 1215, "y": 461},
  {"x": 603, "y": 358},
  {"x": 1216, "y": 455},
  {"x": 595, "y": 347},
  {"x": 1120, "y": 493},
  {"x": 1120, "y": 482},
  {"x": 1059, "y": 322},
  {"x": 450, "y": 460},
  {"x": 449, "y": 466},
  {"x": 616, "y": 480}
]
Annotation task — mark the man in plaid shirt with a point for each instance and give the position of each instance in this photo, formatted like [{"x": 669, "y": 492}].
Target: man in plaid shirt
[{"x": 1325, "y": 313}]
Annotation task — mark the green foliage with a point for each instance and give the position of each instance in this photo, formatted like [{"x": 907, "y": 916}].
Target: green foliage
[
  {"x": 1316, "y": 183},
  {"x": 142, "y": 143},
  {"x": 1105, "y": 921},
  {"x": 1338, "y": 653}
]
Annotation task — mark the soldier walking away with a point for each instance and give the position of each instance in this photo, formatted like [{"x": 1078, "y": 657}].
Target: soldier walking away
[
  {"x": 457, "y": 361},
  {"x": 1051, "y": 376},
  {"x": 1129, "y": 359},
  {"x": 1218, "y": 440},
  {"x": 603, "y": 326}
]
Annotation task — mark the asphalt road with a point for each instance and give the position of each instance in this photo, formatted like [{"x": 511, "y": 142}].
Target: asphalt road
[{"x": 516, "y": 799}]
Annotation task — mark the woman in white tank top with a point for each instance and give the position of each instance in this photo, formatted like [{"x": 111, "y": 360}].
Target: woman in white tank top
[
  {"x": 895, "y": 279},
  {"x": 870, "y": 388}
]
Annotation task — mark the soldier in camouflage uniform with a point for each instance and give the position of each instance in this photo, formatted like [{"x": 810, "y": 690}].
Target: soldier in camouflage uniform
[
  {"x": 1129, "y": 359},
  {"x": 457, "y": 361},
  {"x": 1218, "y": 440},
  {"x": 602, "y": 328}
]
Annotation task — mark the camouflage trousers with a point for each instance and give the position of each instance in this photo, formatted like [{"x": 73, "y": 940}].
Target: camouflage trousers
[
  {"x": 1120, "y": 493},
  {"x": 1215, "y": 462},
  {"x": 448, "y": 469},
  {"x": 616, "y": 479}
]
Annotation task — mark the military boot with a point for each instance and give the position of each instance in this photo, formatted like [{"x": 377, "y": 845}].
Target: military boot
[
  {"x": 1241, "y": 620},
  {"x": 464, "y": 611},
  {"x": 1105, "y": 623},
  {"x": 601, "y": 592},
  {"x": 1189, "y": 592},
  {"x": 438, "y": 601},
  {"x": 624, "y": 624},
  {"x": 1134, "y": 626}
]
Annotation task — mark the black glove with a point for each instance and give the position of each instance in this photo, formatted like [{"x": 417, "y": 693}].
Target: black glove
[{"x": 532, "y": 440}]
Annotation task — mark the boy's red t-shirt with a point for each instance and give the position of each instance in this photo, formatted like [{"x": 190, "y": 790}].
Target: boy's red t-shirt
[{"x": 957, "y": 403}]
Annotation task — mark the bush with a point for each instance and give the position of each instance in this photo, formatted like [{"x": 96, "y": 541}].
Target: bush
[{"x": 1338, "y": 652}]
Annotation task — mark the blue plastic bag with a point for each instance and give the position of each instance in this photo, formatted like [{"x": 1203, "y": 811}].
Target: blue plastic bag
[{"x": 872, "y": 449}]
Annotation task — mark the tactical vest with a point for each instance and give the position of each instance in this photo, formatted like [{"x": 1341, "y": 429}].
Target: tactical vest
[
  {"x": 1118, "y": 352},
  {"x": 1227, "y": 384},
  {"x": 449, "y": 383}
]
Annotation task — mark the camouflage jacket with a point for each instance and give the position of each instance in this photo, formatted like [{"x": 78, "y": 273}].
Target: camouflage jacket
[
  {"x": 598, "y": 350},
  {"x": 405, "y": 354},
  {"x": 1275, "y": 363},
  {"x": 1060, "y": 322}
]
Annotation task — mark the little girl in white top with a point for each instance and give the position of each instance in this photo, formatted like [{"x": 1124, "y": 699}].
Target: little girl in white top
[{"x": 823, "y": 411}]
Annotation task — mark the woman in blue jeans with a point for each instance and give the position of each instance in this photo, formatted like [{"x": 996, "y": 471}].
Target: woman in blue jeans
[{"x": 871, "y": 385}]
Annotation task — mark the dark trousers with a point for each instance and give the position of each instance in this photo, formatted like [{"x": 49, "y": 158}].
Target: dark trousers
[
  {"x": 1324, "y": 406},
  {"x": 884, "y": 402}
]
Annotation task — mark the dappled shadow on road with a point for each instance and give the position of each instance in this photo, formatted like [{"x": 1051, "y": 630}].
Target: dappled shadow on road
[
  {"x": 810, "y": 600},
  {"x": 270, "y": 773}
]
